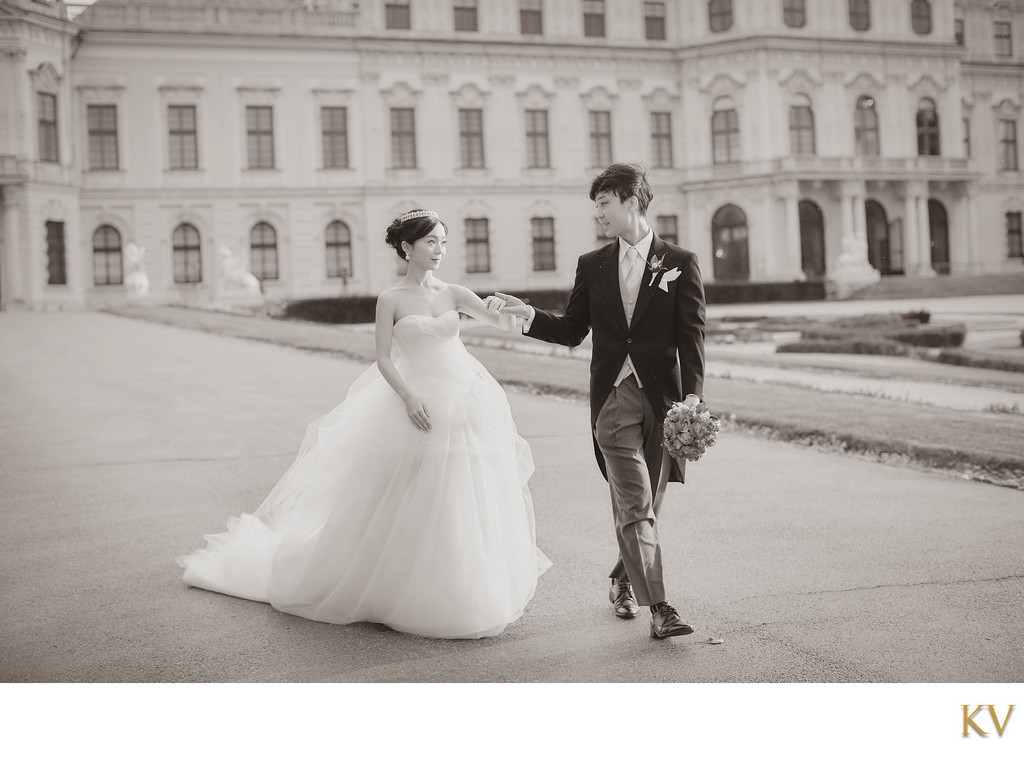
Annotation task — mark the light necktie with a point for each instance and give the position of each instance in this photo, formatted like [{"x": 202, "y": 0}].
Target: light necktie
[{"x": 632, "y": 272}]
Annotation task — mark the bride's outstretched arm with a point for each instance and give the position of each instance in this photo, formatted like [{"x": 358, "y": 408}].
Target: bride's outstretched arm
[
  {"x": 383, "y": 335},
  {"x": 469, "y": 303}
]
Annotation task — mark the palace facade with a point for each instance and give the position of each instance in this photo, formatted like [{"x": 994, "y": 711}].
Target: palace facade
[{"x": 834, "y": 140}]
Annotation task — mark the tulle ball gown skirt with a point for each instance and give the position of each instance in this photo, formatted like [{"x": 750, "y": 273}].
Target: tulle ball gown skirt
[{"x": 428, "y": 533}]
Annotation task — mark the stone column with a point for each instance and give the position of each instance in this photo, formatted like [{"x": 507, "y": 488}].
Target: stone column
[
  {"x": 791, "y": 263},
  {"x": 911, "y": 253},
  {"x": 12, "y": 286},
  {"x": 924, "y": 238},
  {"x": 973, "y": 232}
]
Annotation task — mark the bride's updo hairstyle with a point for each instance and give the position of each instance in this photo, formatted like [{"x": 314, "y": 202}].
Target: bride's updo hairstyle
[{"x": 410, "y": 227}]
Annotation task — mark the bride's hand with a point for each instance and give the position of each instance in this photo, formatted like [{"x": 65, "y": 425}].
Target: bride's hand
[
  {"x": 418, "y": 414},
  {"x": 510, "y": 304}
]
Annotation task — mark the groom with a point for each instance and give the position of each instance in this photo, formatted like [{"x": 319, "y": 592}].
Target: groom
[{"x": 644, "y": 300}]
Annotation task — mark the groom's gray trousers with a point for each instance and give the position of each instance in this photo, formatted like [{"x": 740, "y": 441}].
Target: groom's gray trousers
[{"x": 630, "y": 436}]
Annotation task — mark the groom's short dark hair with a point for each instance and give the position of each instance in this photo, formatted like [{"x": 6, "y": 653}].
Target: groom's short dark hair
[{"x": 624, "y": 180}]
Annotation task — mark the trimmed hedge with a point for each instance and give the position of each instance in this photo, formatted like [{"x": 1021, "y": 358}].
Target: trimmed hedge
[
  {"x": 362, "y": 309},
  {"x": 977, "y": 360},
  {"x": 862, "y": 346},
  {"x": 354, "y": 310},
  {"x": 946, "y": 336}
]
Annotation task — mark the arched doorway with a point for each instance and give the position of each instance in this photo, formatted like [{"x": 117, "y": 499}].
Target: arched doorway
[
  {"x": 729, "y": 241},
  {"x": 812, "y": 239},
  {"x": 938, "y": 226},
  {"x": 879, "y": 254}
]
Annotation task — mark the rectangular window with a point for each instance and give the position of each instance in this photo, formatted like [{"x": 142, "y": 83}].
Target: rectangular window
[
  {"x": 48, "y": 145},
  {"x": 56, "y": 265},
  {"x": 397, "y": 15},
  {"x": 183, "y": 144},
  {"x": 958, "y": 31},
  {"x": 334, "y": 128},
  {"x": 537, "y": 156},
  {"x": 259, "y": 123},
  {"x": 531, "y": 17},
  {"x": 860, "y": 15},
  {"x": 403, "y": 138},
  {"x": 801, "y": 130},
  {"x": 967, "y": 138},
  {"x": 1003, "y": 39},
  {"x": 794, "y": 13},
  {"x": 543, "y": 243},
  {"x": 668, "y": 229},
  {"x": 1014, "y": 244},
  {"x": 600, "y": 138},
  {"x": 661, "y": 140},
  {"x": 725, "y": 136},
  {"x": 478, "y": 247},
  {"x": 593, "y": 18},
  {"x": 471, "y": 134},
  {"x": 1008, "y": 145},
  {"x": 101, "y": 121},
  {"x": 465, "y": 16},
  {"x": 654, "y": 20}
]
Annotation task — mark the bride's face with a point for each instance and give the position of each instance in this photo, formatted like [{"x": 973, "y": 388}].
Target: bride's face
[{"x": 428, "y": 252}]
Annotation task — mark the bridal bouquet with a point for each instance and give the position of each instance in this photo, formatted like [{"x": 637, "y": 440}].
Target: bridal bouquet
[{"x": 689, "y": 432}]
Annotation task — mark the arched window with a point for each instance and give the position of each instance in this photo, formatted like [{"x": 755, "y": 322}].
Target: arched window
[
  {"x": 720, "y": 15},
  {"x": 860, "y": 15},
  {"x": 812, "y": 239},
  {"x": 729, "y": 241},
  {"x": 865, "y": 124},
  {"x": 107, "y": 265},
  {"x": 187, "y": 256},
  {"x": 338, "y": 250},
  {"x": 794, "y": 13},
  {"x": 958, "y": 25},
  {"x": 927, "y": 128},
  {"x": 921, "y": 16},
  {"x": 801, "y": 126},
  {"x": 263, "y": 251},
  {"x": 725, "y": 132}
]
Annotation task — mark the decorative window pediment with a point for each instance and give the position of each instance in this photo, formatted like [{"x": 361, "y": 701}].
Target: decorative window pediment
[
  {"x": 45, "y": 78},
  {"x": 401, "y": 95},
  {"x": 928, "y": 87},
  {"x": 469, "y": 95},
  {"x": 800, "y": 81},
  {"x": 661, "y": 99},
  {"x": 535, "y": 96},
  {"x": 1007, "y": 109},
  {"x": 723, "y": 85},
  {"x": 599, "y": 99}
]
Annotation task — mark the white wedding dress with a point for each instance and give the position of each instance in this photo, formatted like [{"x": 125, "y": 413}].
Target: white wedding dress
[{"x": 430, "y": 533}]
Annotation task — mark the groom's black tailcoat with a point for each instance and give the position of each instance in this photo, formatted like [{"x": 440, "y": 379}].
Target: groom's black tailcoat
[{"x": 665, "y": 339}]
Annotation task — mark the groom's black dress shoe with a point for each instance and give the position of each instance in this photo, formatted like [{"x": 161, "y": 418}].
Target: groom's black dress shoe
[
  {"x": 622, "y": 598},
  {"x": 665, "y": 622}
]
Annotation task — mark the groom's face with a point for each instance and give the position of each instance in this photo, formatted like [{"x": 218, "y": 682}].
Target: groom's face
[{"x": 612, "y": 213}]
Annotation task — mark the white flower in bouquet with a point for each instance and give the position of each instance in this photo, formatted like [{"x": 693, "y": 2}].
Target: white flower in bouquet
[{"x": 690, "y": 431}]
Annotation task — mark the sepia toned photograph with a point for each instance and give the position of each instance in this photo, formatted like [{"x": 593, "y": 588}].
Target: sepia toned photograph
[{"x": 513, "y": 341}]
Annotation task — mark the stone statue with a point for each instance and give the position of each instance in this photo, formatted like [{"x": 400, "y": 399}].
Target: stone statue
[
  {"x": 136, "y": 281},
  {"x": 236, "y": 285}
]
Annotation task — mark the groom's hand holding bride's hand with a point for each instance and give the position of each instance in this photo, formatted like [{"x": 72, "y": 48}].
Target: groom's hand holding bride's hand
[{"x": 508, "y": 304}]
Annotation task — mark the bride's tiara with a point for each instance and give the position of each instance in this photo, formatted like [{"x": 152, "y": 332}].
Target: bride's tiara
[{"x": 417, "y": 215}]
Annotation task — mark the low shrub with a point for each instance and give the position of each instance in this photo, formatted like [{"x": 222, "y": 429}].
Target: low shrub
[
  {"x": 978, "y": 360},
  {"x": 353, "y": 310},
  {"x": 860, "y": 346},
  {"x": 945, "y": 336}
]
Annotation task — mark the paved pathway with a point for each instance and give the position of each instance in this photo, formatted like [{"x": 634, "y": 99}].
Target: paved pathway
[{"x": 123, "y": 441}]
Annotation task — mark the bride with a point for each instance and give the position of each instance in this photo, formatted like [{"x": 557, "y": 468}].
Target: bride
[{"x": 407, "y": 504}]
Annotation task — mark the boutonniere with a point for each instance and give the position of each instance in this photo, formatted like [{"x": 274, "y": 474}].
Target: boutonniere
[{"x": 660, "y": 274}]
